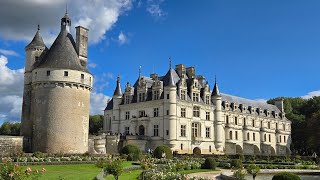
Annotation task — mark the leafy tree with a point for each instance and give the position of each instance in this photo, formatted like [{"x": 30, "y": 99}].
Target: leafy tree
[
  {"x": 95, "y": 124},
  {"x": 8, "y": 128},
  {"x": 253, "y": 170},
  {"x": 115, "y": 168}
]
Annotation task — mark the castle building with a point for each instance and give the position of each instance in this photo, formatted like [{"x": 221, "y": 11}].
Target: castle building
[
  {"x": 56, "y": 97},
  {"x": 179, "y": 110}
]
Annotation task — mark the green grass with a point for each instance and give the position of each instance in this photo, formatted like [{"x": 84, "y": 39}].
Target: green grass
[
  {"x": 69, "y": 171},
  {"x": 128, "y": 175}
]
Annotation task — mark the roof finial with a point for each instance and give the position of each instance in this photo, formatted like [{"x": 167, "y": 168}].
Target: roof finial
[
  {"x": 66, "y": 8},
  {"x": 139, "y": 71},
  {"x": 215, "y": 78},
  {"x": 118, "y": 78},
  {"x": 38, "y": 27}
]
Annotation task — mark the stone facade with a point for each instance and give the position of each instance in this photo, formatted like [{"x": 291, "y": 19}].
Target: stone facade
[
  {"x": 10, "y": 145},
  {"x": 181, "y": 111},
  {"x": 56, "y": 101}
]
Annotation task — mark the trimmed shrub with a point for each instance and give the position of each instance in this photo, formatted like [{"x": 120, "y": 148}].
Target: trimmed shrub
[
  {"x": 38, "y": 154},
  {"x": 162, "y": 149},
  {"x": 133, "y": 152},
  {"x": 209, "y": 163},
  {"x": 236, "y": 163},
  {"x": 285, "y": 176}
]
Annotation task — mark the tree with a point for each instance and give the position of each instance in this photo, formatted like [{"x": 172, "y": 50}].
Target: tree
[
  {"x": 8, "y": 128},
  {"x": 95, "y": 124},
  {"x": 253, "y": 170},
  {"x": 115, "y": 168}
]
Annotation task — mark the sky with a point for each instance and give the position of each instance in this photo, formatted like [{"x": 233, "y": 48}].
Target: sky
[{"x": 256, "y": 49}]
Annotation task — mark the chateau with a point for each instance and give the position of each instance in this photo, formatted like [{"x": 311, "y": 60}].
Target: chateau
[
  {"x": 180, "y": 110},
  {"x": 56, "y": 97}
]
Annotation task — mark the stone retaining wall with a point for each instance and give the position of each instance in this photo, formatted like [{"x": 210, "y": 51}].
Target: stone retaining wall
[{"x": 10, "y": 144}]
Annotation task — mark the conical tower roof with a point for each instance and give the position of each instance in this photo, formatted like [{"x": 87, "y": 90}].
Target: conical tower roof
[
  {"x": 215, "y": 91},
  {"x": 171, "y": 78},
  {"x": 37, "y": 41},
  {"x": 118, "y": 91}
]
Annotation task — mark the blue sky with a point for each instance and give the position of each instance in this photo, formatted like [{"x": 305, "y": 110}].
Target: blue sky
[{"x": 257, "y": 49}]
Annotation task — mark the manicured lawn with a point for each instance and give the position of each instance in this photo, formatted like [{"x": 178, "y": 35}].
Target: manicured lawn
[{"x": 69, "y": 171}]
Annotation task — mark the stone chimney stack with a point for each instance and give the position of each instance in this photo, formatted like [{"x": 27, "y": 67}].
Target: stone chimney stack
[
  {"x": 181, "y": 69},
  {"x": 191, "y": 72},
  {"x": 279, "y": 104},
  {"x": 82, "y": 44}
]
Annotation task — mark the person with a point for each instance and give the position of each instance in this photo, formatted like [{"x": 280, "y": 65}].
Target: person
[{"x": 163, "y": 155}]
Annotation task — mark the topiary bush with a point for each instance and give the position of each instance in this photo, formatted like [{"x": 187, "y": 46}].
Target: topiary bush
[
  {"x": 285, "y": 176},
  {"x": 209, "y": 163},
  {"x": 236, "y": 163},
  {"x": 133, "y": 152},
  {"x": 157, "y": 153}
]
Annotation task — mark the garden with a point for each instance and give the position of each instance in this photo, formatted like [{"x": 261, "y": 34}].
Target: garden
[{"x": 132, "y": 164}]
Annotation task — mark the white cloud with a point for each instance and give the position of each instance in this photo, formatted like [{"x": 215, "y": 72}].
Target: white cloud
[
  {"x": 153, "y": 7},
  {"x": 97, "y": 15},
  {"x": 8, "y": 52},
  {"x": 98, "y": 103},
  {"x": 92, "y": 65},
  {"x": 122, "y": 38},
  {"x": 311, "y": 94},
  {"x": 11, "y": 88}
]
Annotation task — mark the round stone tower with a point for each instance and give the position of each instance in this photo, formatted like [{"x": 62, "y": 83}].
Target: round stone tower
[{"x": 60, "y": 95}]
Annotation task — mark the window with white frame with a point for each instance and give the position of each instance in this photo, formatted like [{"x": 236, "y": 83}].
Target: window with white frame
[
  {"x": 207, "y": 115},
  {"x": 195, "y": 97},
  {"x": 183, "y": 95},
  {"x": 127, "y": 99},
  {"x": 207, "y": 99},
  {"x": 155, "y": 112},
  {"x": 142, "y": 97},
  {"x": 156, "y": 95},
  {"x": 127, "y": 115},
  {"x": 195, "y": 130},
  {"x": 183, "y": 131},
  {"x": 207, "y": 132},
  {"x": 127, "y": 130},
  {"x": 183, "y": 112},
  {"x": 155, "y": 130},
  {"x": 142, "y": 113},
  {"x": 196, "y": 111}
]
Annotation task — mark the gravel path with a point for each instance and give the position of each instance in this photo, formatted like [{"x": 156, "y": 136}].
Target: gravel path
[{"x": 209, "y": 175}]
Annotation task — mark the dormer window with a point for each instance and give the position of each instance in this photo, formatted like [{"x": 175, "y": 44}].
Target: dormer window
[
  {"x": 156, "y": 95},
  {"x": 269, "y": 125},
  {"x": 183, "y": 95},
  {"x": 127, "y": 99},
  {"x": 207, "y": 99},
  {"x": 142, "y": 97},
  {"x": 195, "y": 97}
]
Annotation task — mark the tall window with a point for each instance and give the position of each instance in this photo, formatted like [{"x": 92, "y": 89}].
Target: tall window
[
  {"x": 254, "y": 136},
  {"x": 269, "y": 137},
  {"x": 127, "y": 130},
  {"x": 195, "y": 97},
  {"x": 284, "y": 139},
  {"x": 207, "y": 115},
  {"x": 142, "y": 113},
  {"x": 183, "y": 112},
  {"x": 66, "y": 73},
  {"x": 236, "y": 120},
  {"x": 127, "y": 115},
  {"x": 269, "y": 126},
  {"x": 156, "y": 95},
  {"x": 236, "y": 135},
  {"x": 127, "y": 98},
  {"x": 142, "y": 97},
  {"x": 183, "y": 95},
  {"x": 209, "y": 148},
  {"x": 207, "y": 99},
  {"x": 248, "y": 136},
  {"x": 244, "y": 121},
  {"x": 155, "y": 112},
  {"x": 230, "y": 135},
  {"x": 265, "y": 137},
  {"x": 253, "y": 123},
  {"x": 227, "y": 119},
  {"x": 181, "y": 146},
  {"x": 183, "y": 131},
  {"x": 195, "y": 129},
  {"x": 196, "y": 111},
  {"x": 280, "y": 138},
  {"x": 207, "y": 132},
  {"x": 155, "y": 130},
  {"x": 48, "y": 73},
  {"x": 82, "y": 76},
  {"x": 283, "y": 126}
]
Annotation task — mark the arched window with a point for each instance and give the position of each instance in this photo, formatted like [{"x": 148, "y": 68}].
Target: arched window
[{"x": 209, "y": 148}]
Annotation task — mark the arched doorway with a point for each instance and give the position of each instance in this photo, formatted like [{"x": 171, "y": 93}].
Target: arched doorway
[
  {"x": 196, "y": 151},
  {"x": 141, "y": 130},
  {"x": 239, "y": 149},
  {"x": 272, "y": 151},
  {"x": 256, "y": 150}
]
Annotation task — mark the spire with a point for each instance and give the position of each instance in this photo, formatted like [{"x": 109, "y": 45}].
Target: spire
[
  {"x": 117, "y": 91},
  {"x": 170, "y": 63},
  {"x": 37, "y": 41},
  {"x": 139, "y": 71},
  {"x": 215, "y": 91}
]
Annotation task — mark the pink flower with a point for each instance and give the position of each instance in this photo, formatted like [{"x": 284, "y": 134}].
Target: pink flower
[{"x": 10, "y": 175}]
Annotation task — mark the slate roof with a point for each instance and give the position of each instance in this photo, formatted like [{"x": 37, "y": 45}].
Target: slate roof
[
  {"x": 118, "y": 91},
  {"x": 37, "y": 41},
  {"x": 215, "y": 91},
  {"x": 109, "y": 105},
  {"x": 248, "y": 102},
  {"x": 171, "y": 78},
  {"x": 62, "y": 54}
]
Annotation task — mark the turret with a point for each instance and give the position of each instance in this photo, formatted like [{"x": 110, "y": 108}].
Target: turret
[
  {"x": 170, "y": 96},
  {"x": 66, "y": 23},
  {"x": 33, "y": 52},
  {"x": 219, "y": 129},
  {"x": 117, "y": 99}
]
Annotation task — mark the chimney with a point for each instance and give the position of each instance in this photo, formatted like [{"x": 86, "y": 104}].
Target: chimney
[
  {"x": 201, "y": 80},
  {"x": 181, "y": 69},
  {"x": 82, "y": 44},
  {"x": 191, "y": 72},
  {"x": 154, "y": 76},
  {"x": 279, "y": 104}
]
